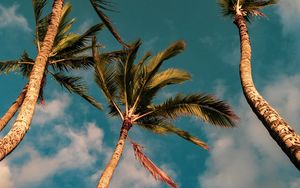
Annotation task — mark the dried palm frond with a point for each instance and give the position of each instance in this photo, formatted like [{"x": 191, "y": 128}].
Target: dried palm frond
[{"x": 155, "y": 171}]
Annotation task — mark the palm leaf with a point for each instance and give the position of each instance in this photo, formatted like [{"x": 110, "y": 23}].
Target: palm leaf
[
  {"x": 155, "y": 171},
  {"x": 78, "y": 42},
  {"x": 76, "y": 85},
  {"x": 104, "y": 77},
  {"x": 100, "y": 5},
  {"x": 152, "y": 67},
  {"x": 160, "y": 126},
  {"x": 206, "y": 107},
  {"x": 9, "y": 66}
]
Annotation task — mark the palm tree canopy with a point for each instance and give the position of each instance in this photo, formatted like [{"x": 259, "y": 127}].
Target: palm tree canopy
[
  {"x": 68, "y": 53},
  {"x": 247, "y": 8},
  {"x": 131, "y": 89}
]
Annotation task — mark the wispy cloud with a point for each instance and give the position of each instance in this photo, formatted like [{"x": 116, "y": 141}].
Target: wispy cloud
[
  {"x": 10, "y": 18},
  {"x": 289, "y": 13},
  {"x": 247, "y": 156}
]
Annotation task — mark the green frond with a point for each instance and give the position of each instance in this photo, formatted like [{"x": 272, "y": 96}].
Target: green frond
[
  {"x": 72, "y": 63},
  {"x": 163, "y": 127},
  {"x": 99, "y": 6},
  {"x": 128, "y": 79},
  {"x": 105, "y": 76},
  {"x": 169, "y": 76},
  {"x": 77, "y": 86},
  {"x": 9, "y": 66},
  {"x": 80, "y": 41},
  {"x": 38, "y": 6},
  {"x": 205, "y": 107},
  {"x": 152, "y": 67}
]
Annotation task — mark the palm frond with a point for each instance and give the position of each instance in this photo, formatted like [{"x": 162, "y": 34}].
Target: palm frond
[
  {"x": 80, "y": 41},
  {"x": 99, "y": 6},
  {"x": 72, "y": 63},
  {"x": 38, "y": 6},
  {"x": 104, "y": 77},
  {"x": 206, "y": 107},
  {"x": 129, "y": 74},
  {"x": 77, "y": 86},
  {"x": 159, "y": 126},
  {"x": 9, "y": 66},
  {"x": 152, "y": 67},
  {"x": 154, "y": 170}
]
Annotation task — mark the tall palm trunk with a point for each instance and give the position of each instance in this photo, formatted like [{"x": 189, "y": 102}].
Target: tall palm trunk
[
  {"x": 13, "y": 108},
  {"x": 111, "y": 166},
  {"x": 281, "y": 132},
  {"x": 22, "y": 123}
]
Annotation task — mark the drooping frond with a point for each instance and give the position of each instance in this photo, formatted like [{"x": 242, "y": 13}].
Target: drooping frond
[
  {"x": 9, "y": 66},
  {"x": 154, "y": 170},
  {"x": 23, "y": 65},
  {"x": 206, "y": 107},
  {"x": 160, "y": 126},
  {"x": 38, "y": 6},
  {"x": 77, "y": 86},
  {"x": 99, "y": 6}
]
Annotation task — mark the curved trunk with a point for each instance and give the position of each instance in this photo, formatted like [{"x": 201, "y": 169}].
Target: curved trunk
[
  {"x": 281, "y": 132},
  {"x": 111, "y": 166},
  {"x": 22, "y": 123},
  {"x": 13, "y": 109}
]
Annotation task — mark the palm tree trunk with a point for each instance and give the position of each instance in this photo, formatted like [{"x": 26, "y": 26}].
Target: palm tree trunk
[
  {"x": 111, "y": 166},
  {"x": 13, "y": 108},
  {"x": 281, "y": 132},
  {"x": 22, "y": 123}
]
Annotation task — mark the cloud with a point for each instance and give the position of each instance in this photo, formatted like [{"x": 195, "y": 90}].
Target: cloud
[
  {"x": 5, "y": 174},
  {"x": 247, "y": 156},
  {"x": 10, "y": 18},
  {"x": 51, "y": 110},
  {"x": 78, "y": 154},
  {"x": 289, "y": 13}
]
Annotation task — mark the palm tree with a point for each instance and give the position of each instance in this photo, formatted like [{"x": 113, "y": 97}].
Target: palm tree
[
  {"x": 67, "y": 54},
  {"x": 131, "y": 88},
  {"x": 23, "y": 120},
  {"x": 281, "y": 132}
]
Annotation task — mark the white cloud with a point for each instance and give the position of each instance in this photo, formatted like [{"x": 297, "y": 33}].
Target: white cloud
[
  {"x": 5, "y": 174},
  {"x": 78, "y": 154},
  {"x": 289, "y": 12},
  {"x": 51, "y": 110},
  {"x": 247, "y": 156},
  {"x": 10, "y": 18}
]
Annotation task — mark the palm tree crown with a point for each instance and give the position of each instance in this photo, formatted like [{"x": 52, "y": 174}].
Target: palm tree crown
[
  {"x": 134, "y": 86},
  {"x": 245, "y": 8},
  {"x": 68, "y": 53}
]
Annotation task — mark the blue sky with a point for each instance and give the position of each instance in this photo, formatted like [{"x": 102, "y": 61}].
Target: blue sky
[{"x": 70, "y": 141}]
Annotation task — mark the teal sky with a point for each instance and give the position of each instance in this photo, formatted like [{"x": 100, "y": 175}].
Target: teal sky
[{"x": 70, "y": 141}]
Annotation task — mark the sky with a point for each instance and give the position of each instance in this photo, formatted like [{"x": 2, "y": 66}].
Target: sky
[{"x": 70, "y": 141}]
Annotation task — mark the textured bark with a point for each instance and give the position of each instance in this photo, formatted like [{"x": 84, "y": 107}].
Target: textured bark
[
  {"x": 111, "y": 166},
  {"x": 22, "y": 123},
  {"x": 13, "y": 108},
  {"x": 281, "y": 132}
]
